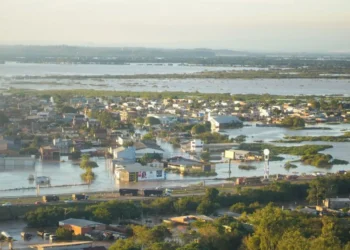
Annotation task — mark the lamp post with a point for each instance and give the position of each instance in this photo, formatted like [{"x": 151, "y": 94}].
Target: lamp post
[{"x": 266, "y": 165}]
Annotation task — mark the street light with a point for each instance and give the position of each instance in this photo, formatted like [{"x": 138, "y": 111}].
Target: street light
[{"x": 266, "y": 165}]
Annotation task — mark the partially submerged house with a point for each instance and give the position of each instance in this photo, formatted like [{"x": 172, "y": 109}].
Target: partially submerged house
[
  {"x": 50, "y": 153},
  {"x": 224, "y": 121}
]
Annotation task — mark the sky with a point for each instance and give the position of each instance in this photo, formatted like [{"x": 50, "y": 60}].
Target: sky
[{"x": 250, "y": 25}]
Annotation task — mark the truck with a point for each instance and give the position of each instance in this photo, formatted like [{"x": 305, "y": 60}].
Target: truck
[
  {"x": 248, "y": 181},
  {"x": 151, "y": 192},
  {"x": 40, "y": 233},
  {"x": 168, "y": 192},
  {"x": 128, "y": 191},
  {"x": 49, "y": 198},
  {"x": 79, "y": 197}
]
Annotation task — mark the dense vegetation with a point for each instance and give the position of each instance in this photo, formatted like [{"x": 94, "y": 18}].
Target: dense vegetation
[{"x": 262, "y": 225}]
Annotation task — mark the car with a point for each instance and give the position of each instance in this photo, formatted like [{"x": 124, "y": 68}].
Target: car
[
  {"x": 37, "y": 203},
  {"x": 68, "y": 201},
  {"x": 7, "y": 204}
]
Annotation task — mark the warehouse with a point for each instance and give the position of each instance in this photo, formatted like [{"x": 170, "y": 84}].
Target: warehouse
[{"x": 80, "y": 226}]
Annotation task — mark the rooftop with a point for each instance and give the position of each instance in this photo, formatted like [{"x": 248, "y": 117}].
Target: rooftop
[
  {"x": 137, "y": 167},
  {"x": 79, "y": 222},
  {"x": 60, "y": 244},
  {"x": 226, "y": 119}
]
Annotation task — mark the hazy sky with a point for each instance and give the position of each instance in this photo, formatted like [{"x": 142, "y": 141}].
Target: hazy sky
[{"x": 274, "y": 25}]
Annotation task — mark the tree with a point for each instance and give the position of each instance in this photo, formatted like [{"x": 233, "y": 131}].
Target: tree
[
  {"x": 152, "y": 121},
  {"x": 64, "y": 234},
  {"x": 293, "y": 122},
  {"x": 3, "y": 119},
  {"x": 102, "y": 215},
  {"x": 68, "y": 109},
  {"x": 148, "y": 137},
  {"x": 127, "y": 244},
  {"x": 205, "y": 156},
  {"x": 269, "y": 226},
  {"x": 206, "y": 207},
  {"x": 293, "y": 240},
  {"x": 211, "y": 194},
  {"x": 86, "y": 163},
  {"x": 198, "y": 129}
]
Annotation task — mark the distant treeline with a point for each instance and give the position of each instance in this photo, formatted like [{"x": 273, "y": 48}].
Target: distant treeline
[{"x": 113, "y": 55}]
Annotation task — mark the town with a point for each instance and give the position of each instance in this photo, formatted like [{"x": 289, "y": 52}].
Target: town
[{"x": 124, "y": 131}]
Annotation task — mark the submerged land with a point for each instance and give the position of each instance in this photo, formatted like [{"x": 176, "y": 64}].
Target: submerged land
[{"x": 203, "y": 152}]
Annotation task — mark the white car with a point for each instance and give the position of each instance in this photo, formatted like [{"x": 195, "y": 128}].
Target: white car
[
  {"x": 68, "y": 201},
  {"x": 7, "y": 204}
]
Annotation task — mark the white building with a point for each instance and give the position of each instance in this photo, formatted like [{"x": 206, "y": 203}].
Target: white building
[
  {"x": 196, "y": 145},
  {"x": 134, "y": 172}
]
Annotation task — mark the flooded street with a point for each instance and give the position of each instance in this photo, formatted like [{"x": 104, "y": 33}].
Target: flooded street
[
  {"x": 14, "y": 228},
  {"x": 68, "y": 173}
]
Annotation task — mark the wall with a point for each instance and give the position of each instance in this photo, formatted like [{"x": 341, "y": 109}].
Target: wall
[
  {"x": 157, "y": 174},
  {"x": 11, "y": 163}
]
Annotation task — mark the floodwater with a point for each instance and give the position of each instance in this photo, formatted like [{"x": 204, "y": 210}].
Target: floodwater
[
  {"x": 14, "y": 228},
  {"x": 232, "y": 86},
  {"x": 68, "y": 173},
  {"x": 32, "y": 69}
]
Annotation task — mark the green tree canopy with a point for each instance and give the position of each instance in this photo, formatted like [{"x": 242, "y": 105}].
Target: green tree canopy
[
  {"x": 152, "y": 121},
  {"x": 3, "y": 119}
]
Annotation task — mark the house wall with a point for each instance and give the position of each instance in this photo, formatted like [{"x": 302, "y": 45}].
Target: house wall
[
  {"x": 128, "y": 153},
  {"x": 157, "y": 174}
]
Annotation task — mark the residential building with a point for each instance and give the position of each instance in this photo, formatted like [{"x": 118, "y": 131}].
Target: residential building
[
  {"x": 135, "y": 172},
  {"x": 337, "y": 203},
  {"x": 50, "y": 153},
  {"x": 224, "y": 121}
]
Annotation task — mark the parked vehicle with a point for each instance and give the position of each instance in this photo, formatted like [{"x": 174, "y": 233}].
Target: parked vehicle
[
  {"x": 40, "y": 233},
  {"x": 53, "y": 237},
  {"x": 6, "y": 235},
  {"x": 49, "y": 198},
  {"x": 7, "y": 204},
  {"x": 151, "y": 192},
  {"x": 26, "y": 236},
  {"x": 168, "y": 192},
  {"x": 128, "y": 191},
  {"x": 79, "y": 197},
  {"x": 46, "y": 235},
  {"x": 37, "y": 203}
]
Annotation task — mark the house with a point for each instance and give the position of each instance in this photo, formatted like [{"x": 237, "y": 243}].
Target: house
[
  {"x": 188, "y": 165},
  {"x": 62, "y": 144},
  {"x": 143, "y": 148},
  {"x": 196, "y": 145},
  {"x": 78, "y": 120},
  {"x": 135, "y": 172},
  {"x": 80, "y": 226},
  {"x": 337, "y": 203},
  {"x": 50, "y": 153},
  {"x": 100, "y": 133},
  {"x": 165, "y": 119},
  {"x": 126, "y": 115},
  {"x": 233, "y": 154},
  {"x": 122, "y": 153},
  {"x": 224, "y": 121}
]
